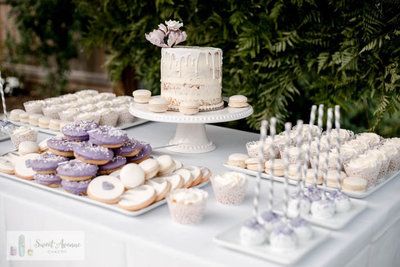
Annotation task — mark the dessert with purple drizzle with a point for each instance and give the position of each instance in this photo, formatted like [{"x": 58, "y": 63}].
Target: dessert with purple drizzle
[
  {"x": 252, "y": 233},
  {"x": 108, "y": 136},
  {"x": 46, "y": 163},
  {"x": 92, "y": 154},
  {"x": 76, "y": 188},
  {"x": 115, "y": 164},
  {"x": 130, "y": 148},
  {"x": 51, "y": 180},
  {"x": 78, "y": 130},
  {"x": 75, "y": 170},
  {"x": 143, "y": 154},
  {"x": 60, "y": 146}
]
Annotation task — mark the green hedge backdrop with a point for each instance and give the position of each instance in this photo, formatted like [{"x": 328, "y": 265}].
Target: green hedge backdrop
[{"x": 284, "y": 55}]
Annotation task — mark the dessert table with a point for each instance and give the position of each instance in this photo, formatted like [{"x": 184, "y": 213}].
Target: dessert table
[{"x": 154, "y": 240}]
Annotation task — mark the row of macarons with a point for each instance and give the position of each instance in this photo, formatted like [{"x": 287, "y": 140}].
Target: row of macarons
[{"x": 159, "y": 104}]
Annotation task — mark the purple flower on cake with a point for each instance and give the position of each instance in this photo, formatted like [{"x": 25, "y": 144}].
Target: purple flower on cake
[{"x": 167, "y": 35}]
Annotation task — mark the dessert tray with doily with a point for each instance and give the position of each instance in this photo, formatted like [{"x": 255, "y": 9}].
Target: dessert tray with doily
[
  {"x": 124, "y": 126},
  {"x": 190, "y": 135},
  {"x": 230, "y": 239},
  {"x": 87, "y": 200},
  {"x": 352, "y": 194}
]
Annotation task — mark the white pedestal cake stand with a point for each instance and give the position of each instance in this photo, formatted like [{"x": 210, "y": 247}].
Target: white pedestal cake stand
[{"x": 190, "y": 131}]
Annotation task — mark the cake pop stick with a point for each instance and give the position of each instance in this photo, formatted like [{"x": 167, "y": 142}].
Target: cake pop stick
[
  {"x": 309, "y": 140},
  {"x": 338, "y": 144},
  {"x": 272, "y": 132},
  {"x": 263, "y": 130},
  {"x": 316, "y": 169},
  {"x": 328, "y": 135},
  {"x": 3, "y": 100},
  {"x": 288, "y": 126},
  {"x": 299, "y": 159}
]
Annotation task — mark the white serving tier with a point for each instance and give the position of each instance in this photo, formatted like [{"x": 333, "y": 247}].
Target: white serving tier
[{"x": 190, "y": 135}]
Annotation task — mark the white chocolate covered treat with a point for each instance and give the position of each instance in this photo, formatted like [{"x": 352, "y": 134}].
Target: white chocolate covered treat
[{"x": 252, "y": 233}]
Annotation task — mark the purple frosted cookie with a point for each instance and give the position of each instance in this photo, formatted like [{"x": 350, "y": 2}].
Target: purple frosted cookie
[
  {"x": 60, "y": 146},
  {"x": 51, "y": 180},
  {"x": 76, "y": 188},
  {"x": 92, "y": 154},
  {"x": 115, "y": 164},
  {"x": 143, "y": 154},
  {"x": 107, "y": 136},
  {"x": 46, "y": 163},
  {"x": 78, "y": 130},
  {"x": 130, "y": 148},
  {"x": 76, "y": 170}
]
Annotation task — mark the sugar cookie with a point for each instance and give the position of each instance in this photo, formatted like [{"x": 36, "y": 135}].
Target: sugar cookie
[
  {"x": 23, "y": 171},
  {"x": 138, "y": 198},
  {"x": 167, "y": 164},
  {"x": 6, "y": 166},
  {"x": 107, "y": 189},
  {"x": 150, "y": 167},
  {"x": 196, "y": 174},
  {"x": 206, "y": 174},
  {"x": 161, "y": 186},
  {"x": 132, "y": 175},
  {"x": 175, "y": 180},
  {"x": 186, "y": 175}
]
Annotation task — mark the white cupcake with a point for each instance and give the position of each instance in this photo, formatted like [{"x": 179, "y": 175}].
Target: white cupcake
[
  {"x": 34, "y": 106},
  {"x": 108, "y": 117},
  {"x": 393, "y": 144},
  {"x": 364, "y": 167},
  {"x": 384, "y": 161},
  {"x": 14, "y": 114},
  {"x": 253, "y": 149},
  {"x": 69, "y": 114},
  {"x": 124, "y": 116},
  {"x": 23, "y": 134},
  {"x": 51, "y": 111},
  {"x": 372, "y": 139},
  {"x": 187, "y": 206},
  {"x": 230, "y": 187},
  {"x": 88, "y": 116}
]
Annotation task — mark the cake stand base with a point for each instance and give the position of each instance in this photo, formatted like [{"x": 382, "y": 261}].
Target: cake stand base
[{"x": 192, "y": 139}]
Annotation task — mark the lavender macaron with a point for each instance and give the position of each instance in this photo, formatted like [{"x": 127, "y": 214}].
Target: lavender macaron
[
  {"x": 76, "y": 188},
  {"x": 108, "y": 136},
  {"x": 51, "y": 180},
  {"x": 115, "y": 164},
  {"x": 143, "y": 154},
  {"x": 60, "y": 146},
  {"x": 78, "y": 130},
  {"x": 129, "y": 148},
  {"x": 76, "y": 170},
  {"x": 46, "y": 163},
  {"x": 92, "y": 154}
]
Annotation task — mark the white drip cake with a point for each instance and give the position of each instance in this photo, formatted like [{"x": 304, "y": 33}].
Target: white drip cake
[{"x": 192, "y": 74}]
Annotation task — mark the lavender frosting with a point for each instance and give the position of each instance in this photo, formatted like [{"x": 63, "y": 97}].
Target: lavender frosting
[
  {"x": 76, "y": 168},
  {"x": 76, "y": 188},
  {"x": 253, "y": 224},
  {"x": 93, "y": 152},
  {"x": 298, "y": 222},
  {"x": 270, "y": 216},
  {"x": 45, "y": 162},
  {"x": 107, "y": 135},
  {"x": 128, "y": 147},
  {"x": 78, "y": 130},
  {"x": 116, "y": 162},
  {"x": 60, "y": 144},
  {"x": 146, "y": 151},
  {"x": 283, "y": 229},
  {"x": 47, "y": 179}
]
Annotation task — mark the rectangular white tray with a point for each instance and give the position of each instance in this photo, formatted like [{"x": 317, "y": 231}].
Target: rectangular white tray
[
  {"x": 124, "y": 126},
  {"x": 231, "y": 239},
  {"x": 294, "y": 182},
  {"x": 85, "y": 199}
]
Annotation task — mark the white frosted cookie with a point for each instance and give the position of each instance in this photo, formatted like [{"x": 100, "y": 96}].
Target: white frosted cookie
[
  {"x": 43, "y": 145},
  {"x": 138, "y": 198},
  {"x": 107, "y": 189},
  {"x": 150, "y": 167},
  {"x": 196, "y": 174},
  {"x": 186, "y": 175},
  {"x": 206, "y": 174},
  {"x": 175, "y": 180},
  {"x": 132, "y": 175},
  {"x": 116, "y": 173},
  {"x": 161, "y": 186},
  {"x": 167, "y": 164},
  {"x": 27, "y": 147},
  {"x": 178, "y": 164},
  {"x": 6, "y": 166},
  {"x": 21, "y": 170}
]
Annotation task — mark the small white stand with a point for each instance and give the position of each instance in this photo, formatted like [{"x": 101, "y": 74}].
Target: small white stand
[{"x": 191, "y": 131}]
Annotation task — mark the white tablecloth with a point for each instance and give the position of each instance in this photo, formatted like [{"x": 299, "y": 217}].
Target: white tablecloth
[{"x": 152, "y": 239}]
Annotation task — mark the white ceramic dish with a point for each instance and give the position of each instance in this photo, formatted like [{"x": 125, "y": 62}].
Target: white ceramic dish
[
  {"x": 294, "y": 182},
  {"x": 230, "y": 238},
  {"x": 85, "y": 199}
]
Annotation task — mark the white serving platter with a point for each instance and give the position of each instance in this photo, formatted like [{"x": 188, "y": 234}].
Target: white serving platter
[
  {"x": 4, "y": 136},
  {"x": 124, "y": 126},
  {"x": 351, "y": 194},
  {"x": 230, "y": 238},
  {"x": 87, "y": 200}
]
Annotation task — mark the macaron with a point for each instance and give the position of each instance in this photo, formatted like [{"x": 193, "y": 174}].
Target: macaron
[
  {"x": 354, "y": 184},
  {"x": 141, "y": 96},
  {"x": 238, "y": 160},
  {"x": 238, "y": 101},
  {"x": 132, "y": 175},
  {"x": 254, "y": 164},
  {"x": 150, "y": 168},
  {"x": 189, "y": 107},
  {"x": 44, "y": 122},
  {"x": 14, "y": 114},
  {"x": 277, "y": 168},
  {"x": 158, "y": 105}
]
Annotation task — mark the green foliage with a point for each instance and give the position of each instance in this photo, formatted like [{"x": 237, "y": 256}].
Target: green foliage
[
  {"x": 47, "y": 33},
  {"x": 284, "y": 55}
]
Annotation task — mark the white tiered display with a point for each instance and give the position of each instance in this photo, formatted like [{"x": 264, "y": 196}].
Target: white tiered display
[{"x": 191, "y": 131}]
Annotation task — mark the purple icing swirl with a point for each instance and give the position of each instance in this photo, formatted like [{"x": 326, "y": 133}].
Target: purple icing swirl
[
  {"x": 45, "y": 162},
  {"x": 107, "y": 135},
  {"x": 47, "y": 179},
  {"x": 78, "y": 130},
  {"x": 115, "y": 163},
  {"x": 93, "y": 152},
  {"x": 76, "y": 168},
  {"x": 77, "y": 188}
]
